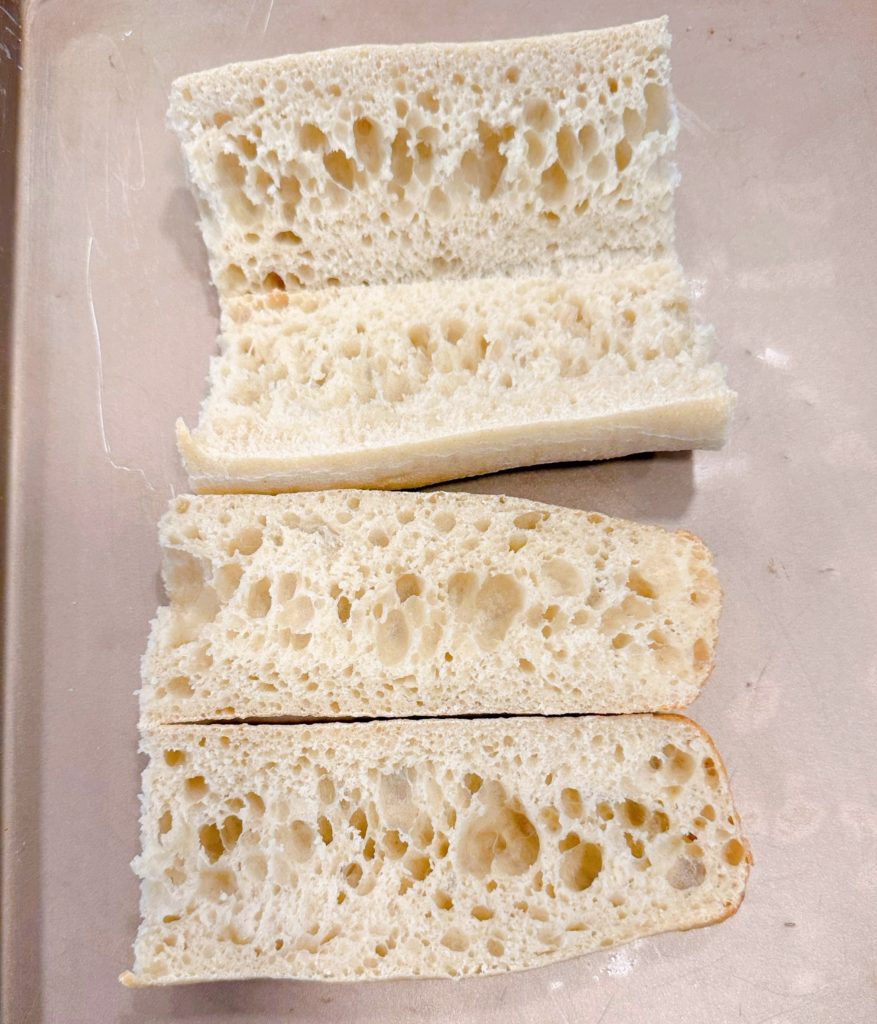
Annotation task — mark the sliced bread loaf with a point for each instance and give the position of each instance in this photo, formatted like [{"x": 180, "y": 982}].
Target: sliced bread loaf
[
  {"x": 383, "y": 604},
  {"x": 383, "y": 164},
  {"x": 410, "y": 384},
  {"x": 405, "y": 849}
]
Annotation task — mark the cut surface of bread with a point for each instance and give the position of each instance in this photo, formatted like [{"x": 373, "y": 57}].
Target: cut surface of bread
[
  {"x": 384, "y": 604},
  {"x": 386, "y": 164},
  {"x": 409, "y": 384},
  {"x": 405, "y": 849}
]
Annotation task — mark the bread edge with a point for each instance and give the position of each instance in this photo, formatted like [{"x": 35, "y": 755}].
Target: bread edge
[
  {"x": 459, "y": 456},
  {"x": 660, "y": 26}
]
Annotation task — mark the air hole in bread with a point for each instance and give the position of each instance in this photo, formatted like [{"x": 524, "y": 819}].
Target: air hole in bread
[
  {"x": 473, "y": 782},
  {"x": 211, "y": 842},
  {"x": 369, "y": 144},
  {"x": 418, "y": 865},
  {"x": 443, "y": 900},
  {"x": 401, "y": 163},
  {"x": 392, "y": 638},
  {"x": 538, "y": 114},
  {"x": 230, "y": 178},
  {"x": 686, "y": 873},
  {"x": 273, "y": 282},
  {"x": 571, "y": 802},
  {"x": 498, "y": 602},
  {"x": 343, "y": 608},
  {"x": 444, "y": 521},
  {"x": 358, "y": 822},
  {"x": 326, "y": 789},
  {"x": 568, "y": 149},
  {"x": 247, "y": 541},
  {"x": 256, "y": 803},
  {"x": 566, "y": 578},
  {"x": 226, "y": 580},
  {"x": 393, "y": 844},
  {"x": 734, "y": 852},
  {"x": 501, "y": 839},
  {"x": 180, "y": 687},
  {"x": 259, "y": 598},
  {"x": 701, "y": 651},
  {"x": 623, "y": 153},
  {"x": 657, "y": 108},
  {"x": 195, "y": 787},
  {"x": 581, "y": 865},
  {"x": 570, "y": 840},
  {"x": 297, "y": 613},
  {"x": 341, "y": 168},
  {"x": 641, "y": 586},
  {"x": 324, "y": 827},
  {"x": 634, "y": 124},
  {"x": 529, "y": 520},
  {"x": 311, "y": 138},
  {"x": 297, "y": 840},
  {"x": 378, "y": 537},
  {"x": 679, "y": 763},
  {"x": 554, "y": 184},
  {"x": 550, "y": 818},
  {"x": 409, "y": 585},
  {"x": 635, "y": 813},
  {"x": 598, "y": 167},
  {"x": 455, "y": 939},
  {"x": 635, "y": 845}
]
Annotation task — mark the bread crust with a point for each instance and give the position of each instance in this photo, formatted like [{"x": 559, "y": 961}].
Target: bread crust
[{"x": 679, "y": 426}]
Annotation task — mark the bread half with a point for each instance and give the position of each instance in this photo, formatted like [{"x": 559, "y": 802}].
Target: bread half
[
  {"x": 426, "y": 849},
  {"x": 385, "y": 164},
  {"x": 383, "y": 604},
  {"x": 409, "y": 384}
]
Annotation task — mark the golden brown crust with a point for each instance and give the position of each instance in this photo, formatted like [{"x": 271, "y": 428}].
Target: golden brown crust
[{"x": 723, "y": 768}]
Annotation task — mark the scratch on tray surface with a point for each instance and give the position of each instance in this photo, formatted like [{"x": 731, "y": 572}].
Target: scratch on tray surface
[
  {"x": 12, "y": 28},
  {"x": 609, "y": 1002},
  {"x": 100, "y": 370},
  {"x": 555, "y": 987},
  {"x": 268, "y": 16},
  {"x": 127, "y": 184},
  {"x": 10, "y": 14},
  {"x": 773, "y": 1016},
  {"x": 691, "y": 122}
]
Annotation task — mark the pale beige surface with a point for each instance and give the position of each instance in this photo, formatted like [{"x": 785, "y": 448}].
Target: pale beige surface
[{"x": 115, "y": 323}]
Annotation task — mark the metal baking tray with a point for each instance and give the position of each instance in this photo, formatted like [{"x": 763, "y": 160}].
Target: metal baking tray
[{"x": 108, "y": 341}]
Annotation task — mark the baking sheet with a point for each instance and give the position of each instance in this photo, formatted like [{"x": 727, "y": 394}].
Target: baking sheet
[{"x": 114, "y": 321}]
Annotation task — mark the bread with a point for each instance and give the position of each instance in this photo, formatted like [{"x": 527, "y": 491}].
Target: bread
[
  {"x": 410, "y": 384},
  {"x": 387, "y": 164},
  {"x": 438, "y": 261},
  {"x": 382, "y": 604},
  {"x": 405, "y": 849}
]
